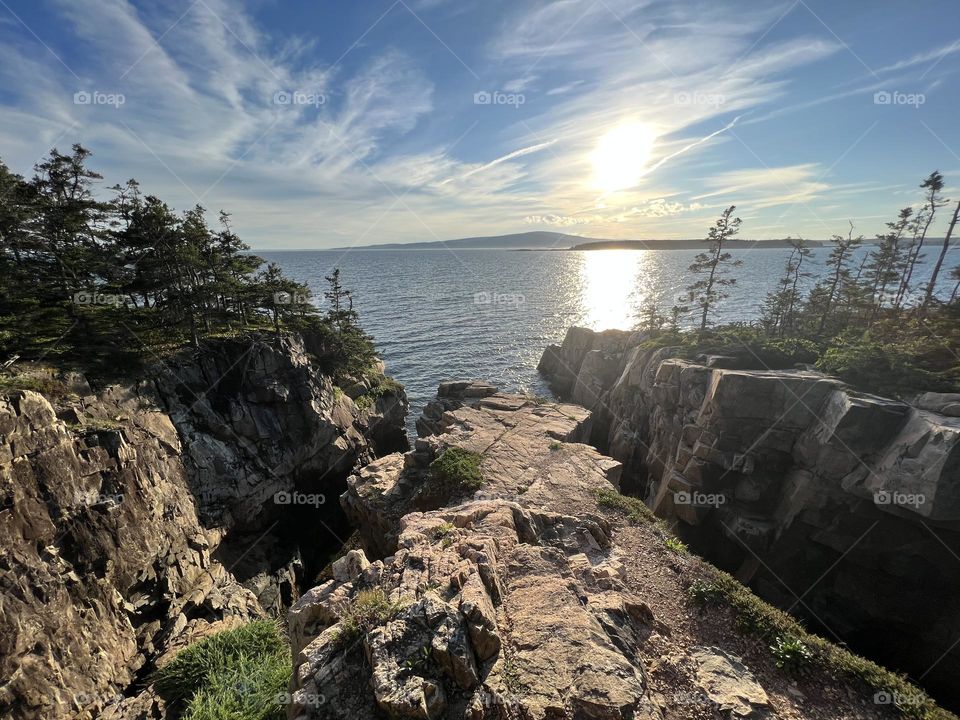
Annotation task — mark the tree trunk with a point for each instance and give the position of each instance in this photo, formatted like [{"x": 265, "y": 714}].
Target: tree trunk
[{"x": 943, "y": 254}]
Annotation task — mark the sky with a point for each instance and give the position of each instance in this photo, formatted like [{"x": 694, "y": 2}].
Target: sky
[{"x": 324, "y": 124}]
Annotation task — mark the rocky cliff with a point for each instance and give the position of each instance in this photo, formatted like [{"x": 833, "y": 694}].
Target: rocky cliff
[
  {"x": 535, "y": 593},
  {"x": 842, "y": 507},
  {"x": 136, "y": 519}
]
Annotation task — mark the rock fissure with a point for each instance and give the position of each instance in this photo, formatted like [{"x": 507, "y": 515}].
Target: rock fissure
[{"x": 789, "y": 479}]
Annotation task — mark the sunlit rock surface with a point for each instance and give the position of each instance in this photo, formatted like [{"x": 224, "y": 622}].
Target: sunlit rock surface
[
  {"x": 841, "y": 506},
  {"x": 137, "y": 519},
  {"x": 523, "y": 599}
]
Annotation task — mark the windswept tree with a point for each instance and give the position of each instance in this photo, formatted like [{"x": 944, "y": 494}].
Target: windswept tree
[
  {"x": 780, "y": 309},
  {"x": 69, "y": 219},
  {"x": 885, "y": 259},
  {"x": 825, "y": 296},
  {"x": 932, "y": 283},
  {"x": 715, "y": 263},
  {"x": 932, "y": 201}
]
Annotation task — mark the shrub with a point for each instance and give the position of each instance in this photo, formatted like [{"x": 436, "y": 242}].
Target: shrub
[
  {"x": 366, "y": 611},
  {"x": 791, "y": 654},
  {"x": 384, "y": 386},
  {"x": 885, "y": 367},
  {"x": 457, "y": 471},
  {"x": 676, "y": 545},
  {"x": 236, "y": 674}
]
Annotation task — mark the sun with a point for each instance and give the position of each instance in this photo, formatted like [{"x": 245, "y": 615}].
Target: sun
[{"x": 621, "y": 156}]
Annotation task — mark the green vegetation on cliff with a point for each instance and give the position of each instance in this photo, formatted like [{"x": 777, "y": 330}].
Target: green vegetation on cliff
[
  {"x": 867, "y": 317},
  {"x": 238, "y": 674},
  {"x": 106, "y": 286}
]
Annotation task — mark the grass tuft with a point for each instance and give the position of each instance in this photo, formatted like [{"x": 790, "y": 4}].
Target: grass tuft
[
  {"x": 794, "y": 648},
  {"x": 635, "y": 509},
  {"x": 369, "y": 609},
  {"x": 240, "y": 674}
]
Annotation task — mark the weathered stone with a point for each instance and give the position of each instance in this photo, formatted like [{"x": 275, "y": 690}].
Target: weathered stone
[
  {"x": 728, "y": 683},
  {"x": 847, "y": 494}
]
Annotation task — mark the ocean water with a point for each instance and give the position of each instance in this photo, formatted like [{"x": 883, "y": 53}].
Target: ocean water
[{"x": 488, "y": 314}]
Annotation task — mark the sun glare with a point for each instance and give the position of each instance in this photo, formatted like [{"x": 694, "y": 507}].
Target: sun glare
[{"x": 621, "y": 156}]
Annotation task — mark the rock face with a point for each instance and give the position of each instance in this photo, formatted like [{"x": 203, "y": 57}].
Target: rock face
[
  {"x": 843, "y": 507},
  {"x": 124, "y": 514},
  {"x": 518, "y": 600}
]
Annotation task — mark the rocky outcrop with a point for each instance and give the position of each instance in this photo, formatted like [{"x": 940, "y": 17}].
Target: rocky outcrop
[
  {"x": 527, "y": 598},
  {"x": 843, "y": 507},
  {"x": 138, "y": 518}
]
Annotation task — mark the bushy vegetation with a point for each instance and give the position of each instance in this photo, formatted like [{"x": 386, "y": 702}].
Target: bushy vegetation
[
  {"x": 635, "y": 509},
  {"x": 457, "y": 471},
  {"x": 108, "y": 285},
  {"x": 238, "y": 674},
  {"x": 796, "y": 650},
  {"x": 867, "y": 316},
  {"x": 382, "y": 386},
  {"x": 369, "y": 609}
]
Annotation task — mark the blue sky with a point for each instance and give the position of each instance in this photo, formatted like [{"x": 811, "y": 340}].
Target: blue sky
[{"x": 322, "y": 124}]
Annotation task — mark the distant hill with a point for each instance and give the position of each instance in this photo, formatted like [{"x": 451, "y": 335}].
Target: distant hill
[
  {"x": 542, "y": 240},
  {"x": 536, "y": 240},
  {"x": 684, "y": 244}
]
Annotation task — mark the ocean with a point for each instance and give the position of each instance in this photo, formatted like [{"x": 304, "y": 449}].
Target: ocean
[{"x": 488, "y": 314}]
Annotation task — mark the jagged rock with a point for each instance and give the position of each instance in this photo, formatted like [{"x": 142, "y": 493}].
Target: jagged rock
[
  {"x": 121, "y": 512},
  {"x": 521, "y": 600},
  {"x": 853, "y": 496},
  {"x": 730, "y": 684}
]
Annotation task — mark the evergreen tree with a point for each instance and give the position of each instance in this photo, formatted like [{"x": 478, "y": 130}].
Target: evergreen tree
[
  {"x": 714, "y": 263},
  {"x": 826, "y": 295},
  {"x": 932, "y": 283}
]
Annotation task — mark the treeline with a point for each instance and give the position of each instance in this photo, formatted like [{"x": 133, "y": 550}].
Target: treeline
[
  {"x": 871, "y": 313},
  {"x": 118, "y": 280}
]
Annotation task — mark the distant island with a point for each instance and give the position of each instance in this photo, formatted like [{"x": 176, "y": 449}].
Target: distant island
[
  {"x": 542, "y": 240},
  {"x": 686, "y": 244}
]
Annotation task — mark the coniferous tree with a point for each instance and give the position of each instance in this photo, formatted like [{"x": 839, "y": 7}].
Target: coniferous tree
[
  {"x": 932, "y": 283},
  {"x": 884, "y": 261},
  {"x": 933, "y": 200},
  {"x": 827, "y": 293},
  {"x": 705, "y": 293}
]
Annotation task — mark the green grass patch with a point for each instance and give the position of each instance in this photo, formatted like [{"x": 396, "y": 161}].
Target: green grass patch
[
  {"x": 384, "y": 386},
  {"x": 635, "y": 509},
  {"x": 556, "y": 445},
  {"x": 795, "y": 649},
  {"x": 457, "y": 471},
  {"x": 43, "y": 384},
  {"x": 369, "y": 609},
  {"x": 442, "y": 530},
  {"x": 238, "y": 674},
  {"x": 676, "y": 545}
]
